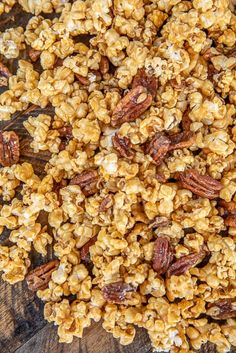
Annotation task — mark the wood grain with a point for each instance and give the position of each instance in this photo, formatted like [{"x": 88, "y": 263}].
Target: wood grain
[
  {"x": 22, "y": 326},
  {"x": 94, "y": 340}
]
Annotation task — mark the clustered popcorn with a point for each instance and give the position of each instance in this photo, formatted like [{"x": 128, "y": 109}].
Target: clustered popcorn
[{"x": 140, "y": 184}]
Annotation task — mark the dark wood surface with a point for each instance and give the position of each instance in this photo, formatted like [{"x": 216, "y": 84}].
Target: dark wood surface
[{"x": 22, "y": 326}]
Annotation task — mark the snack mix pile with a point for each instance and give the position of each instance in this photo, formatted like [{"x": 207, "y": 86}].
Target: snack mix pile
[{"x": 140, "y": 185}]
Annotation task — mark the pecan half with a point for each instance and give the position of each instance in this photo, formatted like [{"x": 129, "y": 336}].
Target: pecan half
[
  {"x": 4, "y": 75},
  {"x": 222, "y": 309},
  {"x": 201, "y": 185},
  {"x": 123, "y": 146},
  {"x": 230, "y": 221},
  {"x": 104, "y": 65},
  {"x": 158, "y": 147},
  {"x": 142, "y": 78},
  {"x": 83, "y": 80},
  {"x": 59, "y": 62},
  {"x": 57, "y": 187},
  {"x": 159, "y": 222},
  {"x": 161, "y": 177},
  {"x": 162, "y": 255},
  {"x": 183, "y": 264},
  {"x": 186, "y": 121},
  {"x": 65, "y": 131},
  {"x": 106, "y": 203},
  {"x": 38, "y": 278},
  {"x": 178, "y": 86},
  {"x": 183, "y": 139},
  {"x": 210, "y": 53},
  {"x": 94, "y": 76},
  {"x": 131, "y": 106},
  {"x": 34, "y": 54},
  {"x": 84, "y": 251},
  {"x": 65, "y": 135},
  {"x": 9, "y": 148},
  {"x": 230, "y": 207},
  {"x": 116, "y": 292},
  {"x": 87, "y": 181},
  {"x": 231, "y": 52},
  {"x": 4, "y": 70},
  {"x": 211, "y": 71}
]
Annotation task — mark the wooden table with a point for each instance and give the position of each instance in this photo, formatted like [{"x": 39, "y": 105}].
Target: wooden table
[
  {"x": 22, "y": 326},
  {"x": 23, "y": 329}
]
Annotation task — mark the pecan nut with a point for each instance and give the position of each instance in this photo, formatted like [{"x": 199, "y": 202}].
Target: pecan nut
[
  {"x": 87, "y": 181},
  {"x": 142, "y": 78},
  {"x": 230, "y": 221},
  {"x": 201, "y": 185},
  {"x": 231, "y": 52},
  {"x": 131, "y": 106},
  {"x": 186, "y": 121},
  {"x": 106, "y": 203},
  {"x": 57, "y": 187},
  {"x": 211, "y": 53},
  {"x": 4, "y": 75},
  {"x": 183, "y": 139},
  {"x": 123, "y": 146},
  {"x": 158, "y": 147},
  {"x": 162, "y": 255},
  {"x": 159, "y": 222},
  {"x": 39, "y": 278},
  {"x": 116, "y": 292},
  {"x": 222, "y": 309},
  {"x": 229, "y": 207},
  {"x": 9, "y": 148},
  {"x": 183, "y": 264},
  {"x": 161, "y": 177},
  {"x": 104, "y": 65},
  {"x": 178, "y": 86},
  {"x": 211, "y": 71},
  {"x": 83, "y": 80},
  {"x": 84, "y": 251},
  {"x": 65, "y": 133},
  {"x": 34, "y": 54}
]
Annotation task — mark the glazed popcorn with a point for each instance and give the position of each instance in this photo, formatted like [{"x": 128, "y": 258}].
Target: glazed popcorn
[
  {"x": 6, "y": 6},
  {"x": 139, "y": 187},
  {"x": 11, "y": 42},
  {"x": 48, "y": 6}
]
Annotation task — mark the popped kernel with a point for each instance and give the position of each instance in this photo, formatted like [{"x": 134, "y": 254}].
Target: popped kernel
[{"x": 114, "y": 198}]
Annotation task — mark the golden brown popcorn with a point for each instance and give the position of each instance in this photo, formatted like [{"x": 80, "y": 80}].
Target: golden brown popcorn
[
  {"x": 6, "y": 6},
  {"x": 140, "y": 184},
  {"x": 53, "y": 83},
  {"x": 24, "y": 236},
  {"x": 48, "y": 6},
  {"x": 11, "y": 42},
  {"x": 87, "y": 17},
  {"x": 38, "y": 127},
  {"x": 36, "y": 7},
  {"x": 87, "y": 130},
  {"x": 14, "y": 263},
  {"x": 112, "y": 45},
  {"x": 72, "y": 108},
  {"x": 39, "y": 34}
]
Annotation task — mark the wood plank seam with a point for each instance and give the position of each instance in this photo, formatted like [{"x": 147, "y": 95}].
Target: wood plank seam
[{"x": 37, "y": 333}]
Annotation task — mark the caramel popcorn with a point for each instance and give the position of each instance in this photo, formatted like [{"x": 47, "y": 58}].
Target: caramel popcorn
[
  {"x": 48, "y": 6},
  {"x": 6, "y": 6},
  {"x": 11, "y": 42},
  {"x": 139, "y": 188}
]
